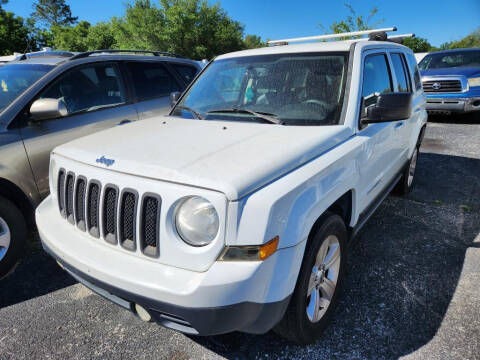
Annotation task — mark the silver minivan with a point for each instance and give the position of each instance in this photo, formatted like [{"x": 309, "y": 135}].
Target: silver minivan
[{"x": 51, "y": 99}]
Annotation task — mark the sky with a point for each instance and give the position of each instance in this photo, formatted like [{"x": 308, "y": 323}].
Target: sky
[{"x": 436, "y": 20}]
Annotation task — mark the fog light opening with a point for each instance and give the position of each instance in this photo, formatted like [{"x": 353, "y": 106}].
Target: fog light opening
[
  {"x": 142, "y": 313},
  {"x": 476, "y": 103}
]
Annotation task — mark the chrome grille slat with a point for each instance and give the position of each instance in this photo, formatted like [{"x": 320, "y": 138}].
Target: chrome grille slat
[
  {"x": 69, "y": 187},
  {"x": 150, "y": 219},
  {"x": 61, "y": 191},
  {"x": 128, "y": 219},
  {"x": 93, "y": 199},
  {"x": 80, "y": 193},
  {"x": 110, "y": 214},
  {"x": 445, "y": 86}
]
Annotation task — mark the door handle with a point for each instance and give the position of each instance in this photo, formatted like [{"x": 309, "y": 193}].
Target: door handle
[
  {"x": 123, "y": 122},
  {"x": 399, "y": 124}
]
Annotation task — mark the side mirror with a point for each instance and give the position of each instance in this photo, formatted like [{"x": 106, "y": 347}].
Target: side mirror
[
  {"x": 43, "y": 109},
  {"x": 389, "y": 107},
  {"x": 174, "y": 96}
]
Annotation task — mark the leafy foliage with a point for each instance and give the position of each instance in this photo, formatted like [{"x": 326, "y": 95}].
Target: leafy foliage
[
  {"x": 253, "y": 42},
  {"x": 354, "y": 21},
  {"x": 417, "y": 44},
  {"x": 53, "y": 13},
  {"x": 13, "y": 33},
  {"x": 471, "y": 40}
]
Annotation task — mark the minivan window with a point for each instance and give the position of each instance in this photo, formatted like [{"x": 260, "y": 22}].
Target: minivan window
[
  {"x": 16, "y": 78},
  {"x": 187, "y": 72},
  {"x": 376, "y": 78},
  {"x": 152, "y": 79},
  {"x": 296, "y": 89},
  {"x": 400, "y": 72},
  {"x": 88, "y": 88}
]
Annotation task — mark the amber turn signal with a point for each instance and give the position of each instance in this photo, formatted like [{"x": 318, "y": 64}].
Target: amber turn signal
[{"x": 249, "y": 253}]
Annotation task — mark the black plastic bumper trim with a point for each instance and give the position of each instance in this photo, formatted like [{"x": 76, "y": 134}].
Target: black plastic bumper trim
[{"x": 249, "y": 317}]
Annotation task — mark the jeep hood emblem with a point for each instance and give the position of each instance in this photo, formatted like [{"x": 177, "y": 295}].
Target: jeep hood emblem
[{"x": 105, "y": 161}]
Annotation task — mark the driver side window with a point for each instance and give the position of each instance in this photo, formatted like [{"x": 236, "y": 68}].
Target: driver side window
[
  {"x": 376, "y": 78},
  {"x": 88, "y": 88}
]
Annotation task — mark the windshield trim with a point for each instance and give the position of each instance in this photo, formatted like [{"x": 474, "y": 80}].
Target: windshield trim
[{"x": 349, "y": 55}]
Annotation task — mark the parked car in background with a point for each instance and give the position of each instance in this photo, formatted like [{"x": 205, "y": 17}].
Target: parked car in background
[
  {"x": 451, "y": 80},
  {"x": 48, "y": 98},
  {"x": 419, "y": 56},
  {"x": 234, "y": 212}
]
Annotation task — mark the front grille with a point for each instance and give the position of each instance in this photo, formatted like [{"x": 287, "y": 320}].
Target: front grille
[
  {"x": 80, "y": 203},
  {"x": 111, "y": 213},
  {"x": 150, "y": 225},
  {"x": 69, "y": 197},
  {"x": 92, "y": 208},
  {"x": 442, "y": 86},
  {"x": 128, "y": 207}
]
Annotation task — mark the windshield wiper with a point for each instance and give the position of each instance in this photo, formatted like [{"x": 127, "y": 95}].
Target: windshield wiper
[
  {"x": 195, "y": 113},
  {"x": 261, "y": 115}
]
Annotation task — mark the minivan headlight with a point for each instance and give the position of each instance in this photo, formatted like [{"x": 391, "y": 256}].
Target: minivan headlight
[
  {"x": 196, "y": 221},
  {"x": 474, "y": 81}
]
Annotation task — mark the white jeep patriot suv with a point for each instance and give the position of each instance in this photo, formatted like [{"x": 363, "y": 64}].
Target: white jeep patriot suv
[{"x": 234, "y": 212}]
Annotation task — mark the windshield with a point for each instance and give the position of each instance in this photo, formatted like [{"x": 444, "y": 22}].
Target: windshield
[
  {"x": 293, "y": 89},
  {"x": 16, "y": 78},
  {"x": 451, "y": 59}
]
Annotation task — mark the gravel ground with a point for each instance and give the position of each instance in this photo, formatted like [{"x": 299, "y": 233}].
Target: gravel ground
[{"x": 412, "y": 288}]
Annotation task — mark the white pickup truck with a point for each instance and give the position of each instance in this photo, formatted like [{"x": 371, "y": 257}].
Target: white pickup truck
[{"x": 235, "y": 211}]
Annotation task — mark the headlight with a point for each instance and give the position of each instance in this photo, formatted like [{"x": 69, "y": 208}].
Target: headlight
[
  {"x": 197, "y": 221},
  {"x": 474, "y": 81}
]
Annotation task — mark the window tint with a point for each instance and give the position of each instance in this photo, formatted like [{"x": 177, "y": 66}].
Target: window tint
[
  {"x": 400, "y": 72},
  {"x": 151, "y": 80},
  {"x": 88, "y": 88},
  {"x": 187, "y": 72},
  {"x": 412, "y": 62},
  {"x": 376, "y": 78}
]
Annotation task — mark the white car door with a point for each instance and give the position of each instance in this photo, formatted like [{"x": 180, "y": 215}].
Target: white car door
[{"x": 380, "y": 160}]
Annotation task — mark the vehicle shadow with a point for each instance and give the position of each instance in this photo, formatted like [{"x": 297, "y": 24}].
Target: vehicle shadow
[
  {"x": 38, "y": 274},
  {"x": 403, "y": 269},
  {"x": 469, "y": 118}
]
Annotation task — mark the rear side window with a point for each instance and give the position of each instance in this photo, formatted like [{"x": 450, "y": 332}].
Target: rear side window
[
  {"x": 401, "y": 73},
  {"x": 187, "y": 72},
  {"x": 412, "y": 62},
  {"x": 152, "y": 80},
  {"x": 376, "y": 78}
]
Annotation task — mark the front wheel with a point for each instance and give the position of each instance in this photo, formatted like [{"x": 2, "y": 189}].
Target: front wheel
[
  {"x": 13, "y": 234},
  {"x": 317, "y": 288}
]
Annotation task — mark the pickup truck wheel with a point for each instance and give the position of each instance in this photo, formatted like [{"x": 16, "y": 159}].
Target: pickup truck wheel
[
  {"x": 13, "y": 234},
  {"x": 318, "y": 284},
  {"x": 405, "y": 184}
]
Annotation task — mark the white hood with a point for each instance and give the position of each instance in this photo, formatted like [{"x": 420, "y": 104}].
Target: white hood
[{"x": 234, "y": 158}]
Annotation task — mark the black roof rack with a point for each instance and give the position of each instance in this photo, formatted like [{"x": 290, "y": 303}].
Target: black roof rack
[
  {"x": 49, "y": 53},
  {"x": 116, "y": 51}
]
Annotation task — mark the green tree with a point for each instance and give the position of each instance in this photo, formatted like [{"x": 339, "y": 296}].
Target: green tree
[
  {"x": 192, "y": 28},
  {"x": 354, "y": 21},
  {"x": 53, "y": 13},
  {"x": 417, "y": 44},
  {"x": 13, "y": 33},
  {"x": 253, "y": 42},
  {"x": 471, "y": 40}
]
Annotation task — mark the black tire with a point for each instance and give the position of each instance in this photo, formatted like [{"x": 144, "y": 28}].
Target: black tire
[
  {"x": 18, "y": 230},
  {"x": 404, "y": 186},
  {"x": 295, "y": 325}
]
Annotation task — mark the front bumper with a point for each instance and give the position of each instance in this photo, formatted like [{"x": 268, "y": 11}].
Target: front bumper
[
  {"x": 452, "y": 104},
  {"x": 229, "y": 296}
]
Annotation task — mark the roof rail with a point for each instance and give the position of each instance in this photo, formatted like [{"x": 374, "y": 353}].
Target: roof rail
[
  {"x": 330, "y": 36},
  {"x": 116, "y": 51}
]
